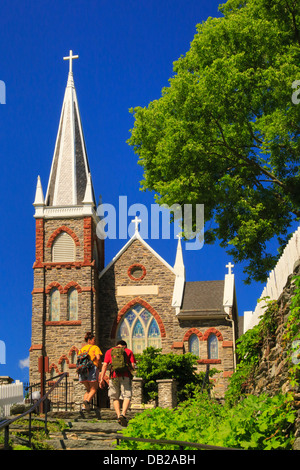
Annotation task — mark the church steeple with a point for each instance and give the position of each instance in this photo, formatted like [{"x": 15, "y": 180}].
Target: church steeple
[{"x": 69, "y": 175}]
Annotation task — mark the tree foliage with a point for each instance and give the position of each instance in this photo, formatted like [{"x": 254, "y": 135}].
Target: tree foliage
[
  {"x": 153, "y": 366},
  {"x": 225, "y": 132}
]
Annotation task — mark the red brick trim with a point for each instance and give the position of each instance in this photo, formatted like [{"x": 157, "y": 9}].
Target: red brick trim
[
  {"x": 56, "y": 232},
  {"x": 177, "y": 345},
  {"x": 227, "y": 373},
  {"x": 63, "y": 323},
  {"x": 36, "y": 347},
  {"x": 54, "y": 366},
  {"x": 131, "y": 303},
  {"x": 72, "y": 284},
  {"x": 87, "y": 239},
  {"x": 88, "y": 289},
  {"x": 193, "y": 331},
  {"x": 39, "y": 240},
  {"x": 38, "y": 264},
  {"x": 64, "y": 264},
  {"x": 136, "y": 265},
  {"x": 73, "y": 348},
  {"x": 209, "y": 361},
  {"x": 227, "y": 344},
  {"x": 54, "y": 284},
  {"x": 38, "y": 290},
  {"x": 212, "y": 331},
  {"x": 63, "y": 358}
]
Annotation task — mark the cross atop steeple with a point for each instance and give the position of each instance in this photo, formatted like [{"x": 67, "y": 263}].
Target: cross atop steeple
[
  {"x": 70, "y": 58},
  {"x": 229, "y": 266},
  {"x": 136, "y": 221}
]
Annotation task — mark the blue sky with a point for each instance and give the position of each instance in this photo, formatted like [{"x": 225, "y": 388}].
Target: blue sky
[{"x": 126, "y": 52}]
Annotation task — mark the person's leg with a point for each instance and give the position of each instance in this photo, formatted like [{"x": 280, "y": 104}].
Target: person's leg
[
  {"x": 86, "y": 395},
  {"x": 116, "y": 404},
  {"x": 126, "y": 390},
  {"x": 92, "y": 391},
  {"x": 126, "y": 403}
]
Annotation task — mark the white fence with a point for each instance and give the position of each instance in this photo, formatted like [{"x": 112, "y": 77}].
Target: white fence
[
  {"x": 9, "y": 395},
  {"x": 276, "y": 280}
]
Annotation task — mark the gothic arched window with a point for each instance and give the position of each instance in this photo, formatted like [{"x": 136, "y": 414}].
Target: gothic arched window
[
  {"x": 194, "y": 345},
  {"x": 54, "y": 314},
  {"x": 139, "y": 329},
  {"x": 63, "y": 248},
  {"x": 212, "y": 347},
  {"x": 72, "y": 304}
]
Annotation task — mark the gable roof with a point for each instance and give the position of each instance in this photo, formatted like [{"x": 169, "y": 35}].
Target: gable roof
[
  {"x": 136, "y": 236},
  {"x": 203, "y": 298}
]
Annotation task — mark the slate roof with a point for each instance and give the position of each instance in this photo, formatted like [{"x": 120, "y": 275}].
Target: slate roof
[
  {"x": 70, "y": 167},
  {"x": 203, "y": 297}
]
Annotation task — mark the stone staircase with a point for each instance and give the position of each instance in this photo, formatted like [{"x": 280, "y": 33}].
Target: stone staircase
[{"x": 94, "y": 430}]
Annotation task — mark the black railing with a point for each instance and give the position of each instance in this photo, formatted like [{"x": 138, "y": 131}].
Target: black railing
[
  {"x": 43, "y": 400},
  {"x": 181, "y": 444},
  {"x": 62, "y": 398}
]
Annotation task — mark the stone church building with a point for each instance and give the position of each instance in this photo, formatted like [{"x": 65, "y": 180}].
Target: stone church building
[{"x": 137, "y": 296}]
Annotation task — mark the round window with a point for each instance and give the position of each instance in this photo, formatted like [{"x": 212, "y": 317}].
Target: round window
[{"x": 136, "y": 272}]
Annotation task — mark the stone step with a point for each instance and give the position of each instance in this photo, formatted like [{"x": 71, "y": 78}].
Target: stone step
[
  {"x": 94, "y": 430},
  {"x": 80, "y": 444}
]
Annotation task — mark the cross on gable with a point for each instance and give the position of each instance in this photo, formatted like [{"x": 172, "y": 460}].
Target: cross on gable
[
  {"x": 229, "y": 266},
  {"x": 136, "y": 221},
  {"x": 70, "y": 58}
]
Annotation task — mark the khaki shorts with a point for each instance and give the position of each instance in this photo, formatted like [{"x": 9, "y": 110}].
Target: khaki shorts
[{"x": 119, "y": 387}]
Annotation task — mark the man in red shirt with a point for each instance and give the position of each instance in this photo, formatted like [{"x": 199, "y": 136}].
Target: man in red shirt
[{"x": 119, "y": 382}]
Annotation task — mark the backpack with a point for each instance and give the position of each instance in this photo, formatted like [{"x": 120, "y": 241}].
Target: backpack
[
  {"x": 119, "y": 362},
  {"x": 84, "y": 362}
]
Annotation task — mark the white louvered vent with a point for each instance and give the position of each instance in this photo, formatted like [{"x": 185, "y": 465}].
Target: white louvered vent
[{"x": 63, "y": 248}]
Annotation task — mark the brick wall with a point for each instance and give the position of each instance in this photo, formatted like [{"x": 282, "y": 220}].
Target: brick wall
[{"x": 58, "y": 339}]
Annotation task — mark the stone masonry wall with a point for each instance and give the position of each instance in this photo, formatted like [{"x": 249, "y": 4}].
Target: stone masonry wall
[
  {"x": 272, "y": 374},
  {"x": 174, "y": 333},
  {"x": 59, "y": 339}
]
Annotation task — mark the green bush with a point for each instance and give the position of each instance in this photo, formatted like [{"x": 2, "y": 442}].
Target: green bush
[
  {"x": 256, "y": 423},
  {"x": 152, "y": 366}
]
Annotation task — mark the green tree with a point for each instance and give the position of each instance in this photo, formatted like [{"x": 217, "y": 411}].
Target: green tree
[
  {"x": 225, "y": 132},
  {"x": 152, "y": 366}
]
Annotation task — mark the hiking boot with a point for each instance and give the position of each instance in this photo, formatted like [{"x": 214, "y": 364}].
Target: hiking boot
[
  {"x": 122, "y": 420},
  {"x": 87, "y": 405}
]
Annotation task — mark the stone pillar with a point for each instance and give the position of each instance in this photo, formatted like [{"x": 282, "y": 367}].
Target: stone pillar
[
  {"x": 137, "y": 392},
  {"x": 167, "y": 393}
]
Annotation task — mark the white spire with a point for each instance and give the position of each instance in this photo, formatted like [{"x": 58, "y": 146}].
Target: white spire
[
  {"x": 88, "y": 197},
  {"x": 69, "y": 174},
  {"x": 39, "y": 201},
  {"x": 179, "y": 265},
  {"x": 180, "y": 277}
]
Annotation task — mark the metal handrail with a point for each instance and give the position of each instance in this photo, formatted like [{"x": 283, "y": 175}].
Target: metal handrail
[
  {"x": 6, "y": 423},
  {"x": 181, "y": 444}
]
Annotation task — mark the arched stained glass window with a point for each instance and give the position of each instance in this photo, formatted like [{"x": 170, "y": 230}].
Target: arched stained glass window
[
  {"x": 194, "y": 345},
  {"x": 54, "y": 305},
  {"x": 139, "y": 329},
  {"x": 72, "y": 304},
  {"x": 212, "y": 347}
]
